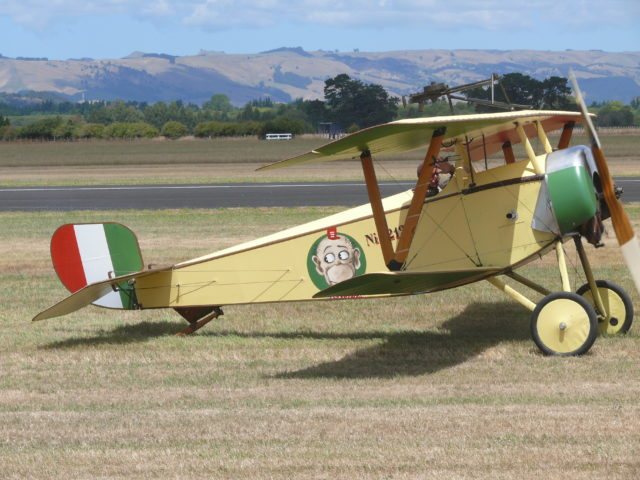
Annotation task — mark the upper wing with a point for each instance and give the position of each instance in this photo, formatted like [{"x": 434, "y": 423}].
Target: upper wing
[{"x": 484, "y": 132}]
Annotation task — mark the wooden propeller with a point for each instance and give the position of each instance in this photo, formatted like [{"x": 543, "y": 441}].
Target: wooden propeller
[{"x": 627, "y": 239}]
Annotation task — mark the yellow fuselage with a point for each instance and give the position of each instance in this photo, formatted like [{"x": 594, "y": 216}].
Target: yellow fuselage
[{"x": 484, "y": 225}]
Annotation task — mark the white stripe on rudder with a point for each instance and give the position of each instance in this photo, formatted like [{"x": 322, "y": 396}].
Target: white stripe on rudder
[{"x": 96, "y": 259}]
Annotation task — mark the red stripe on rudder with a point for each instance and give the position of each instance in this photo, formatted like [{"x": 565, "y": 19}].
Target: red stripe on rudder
[{"x": 66, "y": 258}]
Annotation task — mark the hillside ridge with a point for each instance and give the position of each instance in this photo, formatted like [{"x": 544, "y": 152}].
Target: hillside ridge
[{"x": 287, "y": 73}]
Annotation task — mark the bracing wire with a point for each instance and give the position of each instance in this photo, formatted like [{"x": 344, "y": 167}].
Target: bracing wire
[{"x": 387, "y": 172}]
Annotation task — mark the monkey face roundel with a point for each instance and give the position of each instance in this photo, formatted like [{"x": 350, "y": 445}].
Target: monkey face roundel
[{"x": 334, "y": 258}]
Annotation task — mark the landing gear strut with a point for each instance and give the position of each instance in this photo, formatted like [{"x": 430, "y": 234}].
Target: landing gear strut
[
  {"x": 618, "y": 309},
  {"x": 566, "y": 323},
  {"x": 612, "y": 304}
]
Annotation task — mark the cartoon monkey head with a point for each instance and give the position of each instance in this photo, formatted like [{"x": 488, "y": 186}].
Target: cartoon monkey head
[{"x": 336, "y": 259}]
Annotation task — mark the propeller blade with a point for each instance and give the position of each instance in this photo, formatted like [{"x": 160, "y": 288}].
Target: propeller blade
[{"x": 627, "y": 239}]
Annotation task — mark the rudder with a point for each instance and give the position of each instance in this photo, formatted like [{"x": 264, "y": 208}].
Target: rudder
[{"x": 91, "y": 252}]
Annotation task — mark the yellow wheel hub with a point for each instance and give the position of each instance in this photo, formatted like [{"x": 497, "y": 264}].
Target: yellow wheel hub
[
  {"x": 618, "y": 314},
  {"x": 614, "y": 308},
  {"x": 564, "y": 324}
]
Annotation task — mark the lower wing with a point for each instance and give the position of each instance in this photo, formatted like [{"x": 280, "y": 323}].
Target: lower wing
[{"x": 398, "y": 283}]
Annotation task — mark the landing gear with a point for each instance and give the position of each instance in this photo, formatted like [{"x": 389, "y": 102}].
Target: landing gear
[
  {"x": 618, "y": 308},
  {"x": 611, "y": 302},
  {"x": 564, "y": 324}
]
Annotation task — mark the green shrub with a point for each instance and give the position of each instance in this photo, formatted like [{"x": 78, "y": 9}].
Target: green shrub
[
  {"x": 41, "y": 129},
  {"x": 9, "y": 132},
  {"x": 214, "y": 129},
  {"x": 131, "y": 130},
  {"x": 173, "y": 129},
  {"x": 281, "y": 125},
  {"x": 90, "y": 130}
]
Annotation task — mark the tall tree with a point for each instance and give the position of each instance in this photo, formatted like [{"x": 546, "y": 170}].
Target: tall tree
[
  {"x": 551, "y": 93},
  {"x": 615, "y": 114},
  {"x": 219, "y": 102},
  {"x": 522, "y": 89},
  {"x": 315, "y": 110},
  {"x": 555, "y": 93},
  {"x": 352, "y": 102}
]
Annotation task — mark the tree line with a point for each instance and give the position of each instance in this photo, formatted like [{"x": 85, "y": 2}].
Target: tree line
[
  {"x": 348, "y": 104},
  {"x": 119, "y": 119}
]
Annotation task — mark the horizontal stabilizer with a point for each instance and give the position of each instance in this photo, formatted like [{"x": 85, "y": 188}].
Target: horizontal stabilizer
[
  {"x": 398, "y": 283},
  {"x": 87, "y": 295}
]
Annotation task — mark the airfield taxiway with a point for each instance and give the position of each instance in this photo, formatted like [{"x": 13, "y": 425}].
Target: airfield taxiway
[{"x": 227, "y": 195}]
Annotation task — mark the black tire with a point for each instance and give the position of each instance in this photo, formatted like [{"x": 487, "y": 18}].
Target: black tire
[
  {"x": 616, "y": 324},
  {"x": 564, "y": 324}
]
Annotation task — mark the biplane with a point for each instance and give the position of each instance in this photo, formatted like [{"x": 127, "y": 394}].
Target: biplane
[{"x": 482, "y": 226}]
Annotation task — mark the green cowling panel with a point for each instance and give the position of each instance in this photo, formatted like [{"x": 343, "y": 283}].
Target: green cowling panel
[{"x": 573, "y": 197}]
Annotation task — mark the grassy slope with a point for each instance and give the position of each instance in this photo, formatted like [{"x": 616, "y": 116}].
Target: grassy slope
[{"x": 441, "y": 386}]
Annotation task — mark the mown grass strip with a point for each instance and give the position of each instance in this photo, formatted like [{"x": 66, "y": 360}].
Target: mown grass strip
[{"x": 447, "y": 385}]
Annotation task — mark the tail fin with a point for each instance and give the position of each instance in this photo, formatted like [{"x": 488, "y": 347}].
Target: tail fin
[{"x": 87, "y": 253}]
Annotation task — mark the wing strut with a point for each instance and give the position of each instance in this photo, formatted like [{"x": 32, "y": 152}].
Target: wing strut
[
  {"x": 376, "y": 206},
  {"x": 565, "y": 137},
  {"x": 537, "y": 166},
  {"x": 507, "y": 149},
  {"x": 417, "y": 202}
]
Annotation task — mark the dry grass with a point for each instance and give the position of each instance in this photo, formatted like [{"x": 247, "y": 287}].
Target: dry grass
[
  {"x": 447, "y": 385},
  {"x": 197, "y": 173},
  {"x": 221, "y": 160}
]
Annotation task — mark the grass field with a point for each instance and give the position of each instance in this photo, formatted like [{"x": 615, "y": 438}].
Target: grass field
[
  {"x": 444, "y": 386},
  {"x": 221, "y": 160}
]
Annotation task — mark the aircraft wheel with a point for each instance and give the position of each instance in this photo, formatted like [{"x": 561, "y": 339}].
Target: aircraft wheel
[
  {"x": 564, "y": 324},
  {"x": 617, "y": 303}
]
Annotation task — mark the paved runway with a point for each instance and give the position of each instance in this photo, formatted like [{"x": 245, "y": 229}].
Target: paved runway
[
  {"x": 212, "y": 195},
  {"x": 191, "y": 196}
]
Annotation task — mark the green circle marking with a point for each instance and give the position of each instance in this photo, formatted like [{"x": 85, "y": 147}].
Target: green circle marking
[{"x": 319, "y": 280}]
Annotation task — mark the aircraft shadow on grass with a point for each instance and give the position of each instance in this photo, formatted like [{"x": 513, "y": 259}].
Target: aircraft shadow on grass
[
  {"x": 138, "y": 332},
  {"x": 409, "y": 352}
]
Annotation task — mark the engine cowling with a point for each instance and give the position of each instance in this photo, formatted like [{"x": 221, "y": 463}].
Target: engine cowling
[{"x": 570, "y": 197}]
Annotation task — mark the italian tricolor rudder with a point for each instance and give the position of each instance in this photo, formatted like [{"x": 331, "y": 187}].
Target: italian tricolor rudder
[{"x": 87, "y": 253}]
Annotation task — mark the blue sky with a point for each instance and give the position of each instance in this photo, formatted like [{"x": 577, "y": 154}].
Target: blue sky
[{"x": 61, "y": 29}]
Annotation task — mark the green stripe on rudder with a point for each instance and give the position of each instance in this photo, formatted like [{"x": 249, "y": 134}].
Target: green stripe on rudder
[{"x": 125, "y": 256}]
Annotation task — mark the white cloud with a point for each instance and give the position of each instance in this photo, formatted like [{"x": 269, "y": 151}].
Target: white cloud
[
  {"x": 37, "y": 14},
  {"x": 223, "y": 14},
  {"x": 158, "y": 8},
  {"x": 425, "y": 14},
  {"x": 218, "y": 14}
]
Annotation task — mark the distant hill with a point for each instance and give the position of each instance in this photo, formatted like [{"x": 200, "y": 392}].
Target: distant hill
[{"x": 285, "y": 74}]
